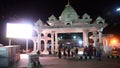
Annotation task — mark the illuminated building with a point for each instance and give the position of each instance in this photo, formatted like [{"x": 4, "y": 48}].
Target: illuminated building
[{"x": 68, "y": 22}]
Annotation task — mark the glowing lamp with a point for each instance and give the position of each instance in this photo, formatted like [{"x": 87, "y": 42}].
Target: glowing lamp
[
  {"x": 118, "y": 9},
  {"x": 113, "y": 41},
  {"x": 74, "y": 37},
  {"x": 80, "y": 41},
  {"x": 23, "y": 31},
  {"x": 80, "y": 52}
]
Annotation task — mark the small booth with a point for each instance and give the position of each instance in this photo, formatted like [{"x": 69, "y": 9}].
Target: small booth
[{"x": 33, "y": 60}]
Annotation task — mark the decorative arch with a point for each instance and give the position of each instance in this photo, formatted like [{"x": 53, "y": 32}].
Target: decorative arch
[
  {"x": 89, "y": 39},
  {"x": 34, "y": 33},
  {"x": 68, "y": 23},
  {"x": 100, "y": 22},
  {"x": 42, "y": 45},
  {"x": 49, "y": 35},
  {"x": 42, "y": 35},
  {"x": 86, "y": 16}
]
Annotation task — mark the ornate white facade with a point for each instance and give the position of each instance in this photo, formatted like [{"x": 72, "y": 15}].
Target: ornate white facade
[{"x": 68, "y": 22}]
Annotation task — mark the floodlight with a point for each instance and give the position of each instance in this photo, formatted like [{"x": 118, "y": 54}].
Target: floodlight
[
  {"x": 19, "y": 30},
  {"x": 118, "y": 9},
  {"x": 74, "y": 37},
  {"x": 80, "y": 41}
]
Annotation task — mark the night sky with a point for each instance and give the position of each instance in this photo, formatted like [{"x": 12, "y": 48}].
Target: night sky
[{"x": 32, "y": 10}]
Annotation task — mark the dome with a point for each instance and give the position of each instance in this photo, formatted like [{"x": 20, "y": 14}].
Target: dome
[
  {"x": 69, "y": 14},
  {"x": 39, "y": 23}
]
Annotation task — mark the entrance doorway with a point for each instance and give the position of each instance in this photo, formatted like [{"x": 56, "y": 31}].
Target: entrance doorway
[{"x": 70, "y": 39}]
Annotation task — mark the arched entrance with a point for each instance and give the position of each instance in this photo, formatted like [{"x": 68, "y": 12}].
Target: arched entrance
[{"x": 69, "y": 22}]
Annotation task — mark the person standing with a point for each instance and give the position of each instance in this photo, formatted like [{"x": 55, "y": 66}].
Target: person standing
[
  {"x": 59, "y": 54},
  {"x": 85, "y": 51},
  {"x": 90, "y": 51},
  {"x": 76, "y": 51},
  {"x": 98, "y": 51},
  {"x": 68, "y": 52},
  {"x": 94, "y": 51},
  {"x": 72, "y": 52},
  {"x": 64, "y": 52}
]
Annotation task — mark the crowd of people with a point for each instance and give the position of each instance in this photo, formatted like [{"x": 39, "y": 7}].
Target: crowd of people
[
  {"x": 88, "y": 51},
  {"x": 68, "y": 52},
  {"x": 93, "y": 51}
]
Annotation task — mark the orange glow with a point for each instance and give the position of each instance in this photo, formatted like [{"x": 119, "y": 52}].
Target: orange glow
[{"x": 113, "y": 41}]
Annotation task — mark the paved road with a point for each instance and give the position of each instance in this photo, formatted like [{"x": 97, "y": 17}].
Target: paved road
[{"x": 54, "y": 62}]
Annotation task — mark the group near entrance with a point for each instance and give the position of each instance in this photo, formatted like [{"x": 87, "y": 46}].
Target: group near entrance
[{"x": 47, "y": 41}]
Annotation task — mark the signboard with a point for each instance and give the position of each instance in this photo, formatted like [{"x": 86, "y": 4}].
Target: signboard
[{"x": 18, "y": 30}]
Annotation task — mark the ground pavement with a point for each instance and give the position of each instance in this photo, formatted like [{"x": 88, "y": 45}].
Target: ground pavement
[{"x": 55, "y": 62}]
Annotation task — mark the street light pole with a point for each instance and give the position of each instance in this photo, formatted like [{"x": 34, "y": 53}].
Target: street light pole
[
  {"x": 26, "y": 45},
  {"x": 9, "y": 41}
]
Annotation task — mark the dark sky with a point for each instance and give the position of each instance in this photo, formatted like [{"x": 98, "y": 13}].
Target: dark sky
[
  {"x": 11, "y": 10},
  {"x": 34, "y": 9}
]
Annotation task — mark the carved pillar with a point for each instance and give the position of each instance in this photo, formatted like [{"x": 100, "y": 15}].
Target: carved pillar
[
  {"x": 85, "y": 37},
  {"x": 39, "y": 41},
  {"x": 56, "y": 41},
  {"x": 52, "y": 41},
  {"x": 100, "y": 35},
  {"x": 45, "y": 45},
  {"x": 94, "y": 38},
  {"x": 34, "y": 44},
  {"x": 106, "y": 41}
]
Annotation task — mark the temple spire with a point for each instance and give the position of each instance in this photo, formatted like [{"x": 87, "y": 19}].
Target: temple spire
[{"x": 68, "y": 3}]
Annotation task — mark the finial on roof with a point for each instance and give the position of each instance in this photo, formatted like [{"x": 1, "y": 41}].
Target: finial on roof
[{"x": 68, "y": 3}]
